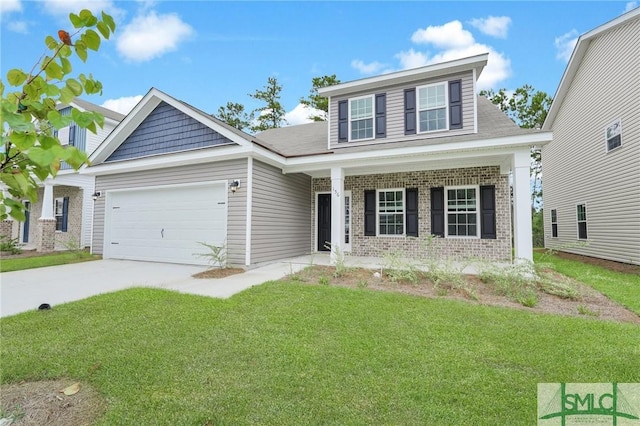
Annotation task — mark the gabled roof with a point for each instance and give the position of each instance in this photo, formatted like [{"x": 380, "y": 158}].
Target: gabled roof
[
  {"x": 149, "y": 102},
  {"x": 576, "y": 59},
  {"x": 106, "y": 112},
  {"x": 477, "y": 62}
]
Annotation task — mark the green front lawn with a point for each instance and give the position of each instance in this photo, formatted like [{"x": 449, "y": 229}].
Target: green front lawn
[
  {"x": 620, "y": 287},
  {"x": 63, "y": 258},
  {"x": 291, "y": 354}
]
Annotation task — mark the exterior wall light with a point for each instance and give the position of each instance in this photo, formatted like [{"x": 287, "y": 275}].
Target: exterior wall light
[
  {"x": 96, "y": 195},
  {"x": 233, "y": 186}
]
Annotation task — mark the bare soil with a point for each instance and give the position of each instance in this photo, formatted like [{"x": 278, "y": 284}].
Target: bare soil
[
  {"x": 218, "y": 273},
  {"x": 625, "y": 268},
  {"x": 42, "y": 404},
  {"x": 589, "y": 303}
]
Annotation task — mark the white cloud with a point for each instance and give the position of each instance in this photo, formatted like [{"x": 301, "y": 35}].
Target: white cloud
[
  {"x": 18, "y": 27},
  {"x": 630, "y": 6},
  {"x": 61, "y": 8},
  {"x": 496, "y": 26},
  {"x": 565, "y": 44},
  {"x": 7, "y": 6},
  {"x": 300, "y": 115},
  {"x": 412, "y": 59},
  {"x": 151, "y": 36},
  {"x": 370, "y": 68},
  {"x": 449, "y": 35},
  {"x": 122, "y": 105}
]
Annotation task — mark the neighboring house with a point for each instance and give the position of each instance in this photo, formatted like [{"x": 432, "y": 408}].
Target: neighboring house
[
  {"x": 66, "y": 220},
  {"x": 403, "y": 156},
  {"x": 591, "y": 171}
]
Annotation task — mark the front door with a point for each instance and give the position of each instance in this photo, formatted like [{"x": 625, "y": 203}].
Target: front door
[
  {"x": 25, "y": 229},
  {"x": 324, "y": 222}
]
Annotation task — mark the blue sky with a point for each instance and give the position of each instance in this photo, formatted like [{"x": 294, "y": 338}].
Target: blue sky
[{"x": 207, "y": 53}]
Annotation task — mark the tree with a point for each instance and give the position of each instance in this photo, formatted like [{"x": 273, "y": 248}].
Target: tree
[
  {"x": 30, "y": 152},
  {"x": 317, "y": 102},
  {"x": 271, "y": 115},
  {"x": 528, "y": 108},
  {"x": 234, "y": 115}
]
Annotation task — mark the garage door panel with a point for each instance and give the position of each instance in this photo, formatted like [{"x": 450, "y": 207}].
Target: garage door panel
[{"x": 167, "y": 224}]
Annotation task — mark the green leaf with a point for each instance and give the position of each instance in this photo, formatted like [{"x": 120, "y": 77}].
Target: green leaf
[
  {"x": 40, "y": 156},
  {"x": 109, "y": 21},
  {"x": 65, "y": 51},
  {"x": 92, "y": 39},
  {"x": 88, "y": 20},
  {"x": 75, "y": 20},
  {"x": 23, "y": 140},
  {"x": 51, "y": 42},
  {"x": 92, "y": 127},
  {"x": 82, "y": 119},
  {"x": 66, "y": 65},
  {"x": 16, "y": 77},
  {"x": 74, "y": 86},
  {"x": 104, "y": 29},
  {"x": 81, "y": 50},
  {"x": 48, "y": 142},
  {"x": 54, "y": 71},
  {"x": 66, "y": 95}
]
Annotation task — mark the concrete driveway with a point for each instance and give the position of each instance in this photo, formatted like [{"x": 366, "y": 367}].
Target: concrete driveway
[{"x": 22, "y": 291}]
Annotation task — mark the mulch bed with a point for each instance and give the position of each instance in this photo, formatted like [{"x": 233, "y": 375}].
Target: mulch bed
[{"x": 218, "y": 273}]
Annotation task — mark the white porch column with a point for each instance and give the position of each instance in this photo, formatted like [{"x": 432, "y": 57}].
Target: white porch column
[
  {"x": 337, "y": 212},
  {"x": 522, "y": 232},
  {"x": 47, "y": 201}
]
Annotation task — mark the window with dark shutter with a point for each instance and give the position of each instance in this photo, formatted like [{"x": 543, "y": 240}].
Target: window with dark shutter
[
  {"x": 554, "y": 223},
  {"x": 412, "y": 212},
  {"x": 343, "y": 121},
  {"x": 437, "y": 211},
  {"x": 65, "y": 213},
  {"x": 381, "y": 115},
  {"x": 488, "y": 212},
  {"x": 410, "y": 111},
  {"x": 370, "y": 212},
  {"x": 455, "y": 104}
]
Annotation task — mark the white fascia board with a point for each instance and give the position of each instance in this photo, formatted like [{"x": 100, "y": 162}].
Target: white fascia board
[
  {"x": 477, "y": 62},
  {"x": 451, "y": 150}
]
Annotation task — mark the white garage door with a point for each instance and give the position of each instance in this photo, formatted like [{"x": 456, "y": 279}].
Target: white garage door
[{"x": 165, "y": 224}]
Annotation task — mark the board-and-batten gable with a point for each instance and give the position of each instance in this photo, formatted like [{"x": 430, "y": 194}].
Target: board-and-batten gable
[
  {"x": 196, "y": 173},
  {"x": 395, "y": 111},
  {"x": 577, "y": 167},
  {"x": 165, "y": 130}
]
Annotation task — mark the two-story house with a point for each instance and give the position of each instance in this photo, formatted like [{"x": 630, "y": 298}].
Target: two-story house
[
  {"x": 63, "y": 215},
  {"x": 591, "y": 171},
  {"x": 403, "y": 156}
]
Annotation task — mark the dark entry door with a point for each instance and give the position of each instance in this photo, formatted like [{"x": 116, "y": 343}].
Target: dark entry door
[
  {"x": 324, "y": 222},
  {"x": 25, "y": 230}
]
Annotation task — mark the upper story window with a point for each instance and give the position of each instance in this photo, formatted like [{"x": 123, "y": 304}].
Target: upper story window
[
  {"x": 361, "y": 118},
  {"x": 432, "y": 107},
  {"x": 67, "y": 135},
  {"x": 613, "y": 135}
]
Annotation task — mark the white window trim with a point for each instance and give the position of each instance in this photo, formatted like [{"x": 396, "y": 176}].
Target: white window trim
[
  {"x": 55, "y": 213},
  {"x": 373, "y": 117},
  {"x": 404, "y": 212},
  {"x": 606, "y": 139},
  {"x": 586, "y": 222},
  {"x": 446, "y": 211},
  {"x": 555, "y": 222},
  {"x": 446, "y": 107}
]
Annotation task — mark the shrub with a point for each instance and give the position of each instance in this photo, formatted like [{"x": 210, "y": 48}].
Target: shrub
[{"x": 10, "y": 245}]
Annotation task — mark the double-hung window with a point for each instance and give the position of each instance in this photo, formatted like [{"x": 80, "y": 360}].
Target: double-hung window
[
  {"x": 391, "y": 211},
  {"x": 581, "y": 211},
  {"x": 462, "y": 212},
  {"x": 432, "y": 107},
  {"x": 554, "y": 223},
  {"x": 613, "y": 135},
  {"x": 58, "y": 212},
  {"x": 361, "y": 118}
]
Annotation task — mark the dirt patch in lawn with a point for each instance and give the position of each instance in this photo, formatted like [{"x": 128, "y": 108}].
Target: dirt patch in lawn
[
  {"x": 625, "y": 268},
  {"x": 42, "y": 404},
  {"x": 585, "y": 301},
  {"x": 218, "y": 273}
]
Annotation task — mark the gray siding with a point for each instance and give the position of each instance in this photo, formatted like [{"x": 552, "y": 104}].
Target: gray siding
[
  {"x": 225, "y": 170},
  {"x": 281, "y": 206},
  {"x": 576, "y": 167},
  {"x": 165, "y": 130},
  {"x": 395, "y": 112}
]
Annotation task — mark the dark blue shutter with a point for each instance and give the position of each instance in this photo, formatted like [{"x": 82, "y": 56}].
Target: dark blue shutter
[
  {"x": 409, "y": 111},
  {"x": 72, "y": 135},
  {"x": 488, "y": 212},
  {"x": 412, "y": 212},
  {"x": 65, "y": 213},
  {"x": 370, "y": 212},
  {"x": 437, "y": 211},
  {"x": 455, "y": 104},
  {"x": 381, "y": 115},
  {"x": 343, "y": 121}
]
